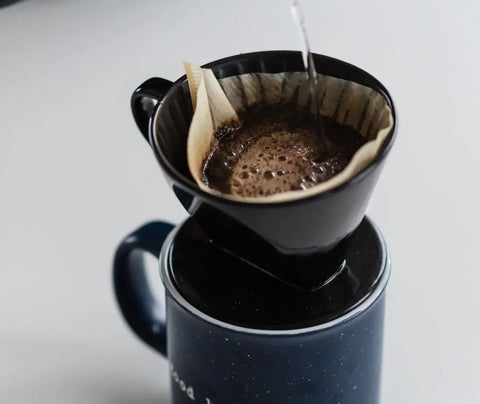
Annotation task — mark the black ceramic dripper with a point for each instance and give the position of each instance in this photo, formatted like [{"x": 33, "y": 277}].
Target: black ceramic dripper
[{"x": 300, "y": 242}]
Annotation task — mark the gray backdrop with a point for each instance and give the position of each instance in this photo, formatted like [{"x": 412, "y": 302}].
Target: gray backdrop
[{"x": 75, "y": 177}]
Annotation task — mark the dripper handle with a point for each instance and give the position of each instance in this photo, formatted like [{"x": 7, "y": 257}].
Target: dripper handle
[{"x": 145, "y": 99}]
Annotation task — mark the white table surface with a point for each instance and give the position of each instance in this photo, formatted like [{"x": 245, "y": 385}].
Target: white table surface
[{"x": 75, "y": 177}]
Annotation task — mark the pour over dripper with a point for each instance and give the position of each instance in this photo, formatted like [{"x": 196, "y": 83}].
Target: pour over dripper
[{"x": 300, "y": 242}]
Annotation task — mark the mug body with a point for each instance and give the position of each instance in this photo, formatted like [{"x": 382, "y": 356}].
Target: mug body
[
  {"x": 217, "y": 364},
  {"x": 213, "y": 361}
]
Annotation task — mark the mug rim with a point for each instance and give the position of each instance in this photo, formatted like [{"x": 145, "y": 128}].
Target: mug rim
[
  {"x": 189, "y": 185},
  {"x": 379, "y": 285}
]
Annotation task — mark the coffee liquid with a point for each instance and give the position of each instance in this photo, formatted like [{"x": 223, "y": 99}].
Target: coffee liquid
[{"x": 278, "y": 149}]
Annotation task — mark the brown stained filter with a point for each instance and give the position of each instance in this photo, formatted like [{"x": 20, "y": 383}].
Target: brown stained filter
[{"x": 350, "y": 110}]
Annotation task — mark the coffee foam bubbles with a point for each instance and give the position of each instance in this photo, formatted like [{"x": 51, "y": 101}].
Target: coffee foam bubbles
[
  {"x": 278, "y": 150},
  {"x": 279, "y": 162}
]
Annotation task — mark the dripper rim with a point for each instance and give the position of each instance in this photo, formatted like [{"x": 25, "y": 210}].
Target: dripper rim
[{"x": 191, "y": 186}]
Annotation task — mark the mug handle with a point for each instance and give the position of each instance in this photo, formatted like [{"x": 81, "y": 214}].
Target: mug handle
[
  {"x": 144, "y": 314},
  {"x": 145, "y": 99}
]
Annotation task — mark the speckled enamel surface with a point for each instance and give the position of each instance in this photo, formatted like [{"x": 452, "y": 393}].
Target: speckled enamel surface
[{"x": 340, "y": 365}]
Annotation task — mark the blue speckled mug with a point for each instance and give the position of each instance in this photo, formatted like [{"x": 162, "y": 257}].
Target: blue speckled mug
[{"x": 215, "y": 361}]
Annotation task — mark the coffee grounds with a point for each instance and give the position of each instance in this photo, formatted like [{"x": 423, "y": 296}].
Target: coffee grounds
[{"x": 278, "y": 149}]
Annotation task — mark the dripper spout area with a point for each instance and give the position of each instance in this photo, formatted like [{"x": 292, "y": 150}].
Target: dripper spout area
[
  {"x": 230, "y": 290},
  {"x": 307, "y": 273},
  {"x": 302, "y": 244}
]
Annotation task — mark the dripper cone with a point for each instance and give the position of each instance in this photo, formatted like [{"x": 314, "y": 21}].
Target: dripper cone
[{"x": 299, "y": 240}]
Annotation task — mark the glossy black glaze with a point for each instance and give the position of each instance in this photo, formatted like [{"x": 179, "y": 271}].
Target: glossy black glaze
[
  {"x": 4, "y": 3},
  {"x": 145, "y": 99},
  {"x": 229, "y": 289},
  {"x": 337, "y": 359},
  {"x": 308, "y": 234}
]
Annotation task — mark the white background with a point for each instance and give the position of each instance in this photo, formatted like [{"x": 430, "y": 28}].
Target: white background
[{"x": 76, "y": 176}]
